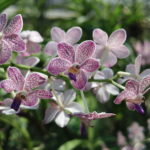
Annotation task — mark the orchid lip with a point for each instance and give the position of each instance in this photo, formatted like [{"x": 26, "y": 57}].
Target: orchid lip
[
  {"x": 16, "y": 103},
  {"x": 72, "y": 76},
  {"x": 139, "y": 109}
]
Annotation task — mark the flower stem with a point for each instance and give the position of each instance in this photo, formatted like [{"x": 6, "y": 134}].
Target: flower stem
[{"x": 84, "y": 101}]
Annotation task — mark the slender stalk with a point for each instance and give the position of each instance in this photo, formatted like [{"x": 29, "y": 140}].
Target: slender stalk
[{"x": 84, "y": 101}]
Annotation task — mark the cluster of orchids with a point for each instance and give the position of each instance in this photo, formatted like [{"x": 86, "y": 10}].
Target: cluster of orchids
[{"x": 71, "y": 68}]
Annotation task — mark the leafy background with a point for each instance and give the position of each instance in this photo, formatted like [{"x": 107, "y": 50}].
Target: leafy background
[{"x": 26, "y": 130}]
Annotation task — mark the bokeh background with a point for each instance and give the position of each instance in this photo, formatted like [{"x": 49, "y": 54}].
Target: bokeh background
[{"x": 26, "y": 130}]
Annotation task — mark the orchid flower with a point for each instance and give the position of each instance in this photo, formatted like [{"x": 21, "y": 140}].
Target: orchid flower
[
  {"x": 103, "y": 90},
  {"x": 134, "y": 93},
  {"x": 74, "y": 63},
  {"x": 25, "y": 90},
  {"x": 134, "y": 70},
  {"x": 32, "y": 40},
  {"x": 9, "y": 37},
  {"x": 72, "y": 36},
  {"x": 109, "y": 49},
  {"x": 63, "y": 103}
]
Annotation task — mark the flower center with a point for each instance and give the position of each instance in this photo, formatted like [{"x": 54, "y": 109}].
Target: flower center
[{"x": 73, "y": 71}]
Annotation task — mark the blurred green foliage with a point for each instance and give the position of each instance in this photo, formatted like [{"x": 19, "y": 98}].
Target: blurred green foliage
[{"x": 26, "y": 131}]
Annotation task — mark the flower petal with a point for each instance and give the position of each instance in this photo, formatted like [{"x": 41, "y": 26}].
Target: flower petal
[
  {"x": 74, "y": 107},
  {"x": 15, "y": 42},
  {"x": 34, "y": 80},
  {"x": 58, "y": 85},
  {"x": 50, "y": 114},
  {"x": 145, "y": 73},
  {"x": 84, "y": 51},
  {"x": 81, "y": 80},
  {"x": 145, "y": 83},
  {"x": 62, "y": 119},
  {"x": 31, "y": 61},
  {"x": 108, "y": 73},
  {"x": 73, "y": 35},
  {"x": 3, "y": 21},
  {"x": 131, "y": 106},
  {"x": 57, "y": 34},
  {"x": 120, "y": 51},
  {"x": 35, "y": 37},
  {"x": 90, "y": 65},
  {"x": 132, "y": 86},
  {"x": 131, "y": 69},
  {"x": 69, "y": 96},
  {"x": 138, "y": 62},
  {"x": 16, "y": 76},
  {"x": 100, "y": 37},
  {"x": 15, "y": 26},
  {"x": 112, "y": 89},
  {"x": 5, "y": 52},
  {"x": 51, "y": 48},
  {"x": 8, "y": 85},
  {"x": 66, "y": 51},
  {"x": 117, "y": 38},
  {"x": 110, "y": 60},
  {"x": 58, "y": 65}
]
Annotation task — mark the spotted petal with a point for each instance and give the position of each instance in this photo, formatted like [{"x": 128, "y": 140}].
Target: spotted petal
[
  {"x": 90, "y": 65},
  {"x": 57, "y": 34},
  {"x": 34, "y": 80},
  {"x": 138, "y": 62},
  {"x": 84, "y": 51},
  {"x": 58, "y": 65},
  {"x": 132, "y": 86},
  {"x": 66, "y": 51},
  {"x": 122, "y": 96},
  {"x": 16, "y": 76},
  {"x": 15, "y": 26},
  {"x": 145, "y": 83},
  {"x": 100, "y": 37},
  {"x": 3, "y": 21},
  {"x": 73, "y": 35}
]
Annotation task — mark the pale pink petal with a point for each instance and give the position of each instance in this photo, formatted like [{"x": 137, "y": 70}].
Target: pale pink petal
[
  {"x": 100, "y": 37},
  {"x": 31, "y": 61},
  {"x": 112, "y": 89},
  {"x": 51, "y": 48},
  {"x": 145, "y": 73},
  {"x": 108, "y": 73},
  {"x": 132, "y": 86},
  {"x": 138, "y": 62},
  {"x": 15, "y": 26},
  {"x": 34, "y": 80},
  {"x": 73, "y": 35},
  {"x": 42, "y": 94},
  {"x": 117, "y": 38},
  {"x": 35, "y": 37},
  {"x": 120, "y": 51},
  {"x": 131, "y": 106},
  {"x": 32, "y": 48},
  {"x": 66, "y": 51},
  {"x": 58, "y": 65},
  {"x": 3, "y": 21},
  {"x": 57, "y": 34},
  {"x": 5, "y": 52},
  {"x": 16, "y": 76},
  {"x": 74, "y": 107},
  {"x": 84, "y": 51},
  {"x": 15, "y": 42},
  {"x": 99, "y": 51},
  {"x": 90, "y": 65},
  {"x": 131, "y": 69},
  {"x": 122, "y": 96},
  {"x": 81, "y": 80},
  {"x": 145, "y": 83},
  {"x": 8, "y": 85},
  {"x": 109, "y": 60}
]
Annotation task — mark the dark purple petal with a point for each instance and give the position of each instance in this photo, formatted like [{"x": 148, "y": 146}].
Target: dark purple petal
[
  {"x": 72, "y": 76},
  {"x": 139, "y": 109},
  {"x": 15, "y": 42},
  {"x": 66, "y": 51},
  {"x": 34, "y": 80},
  {"x": 90, "y": 65},
  {"x": 84, "y": 51},
  {"x": 15, "y": 26},
  {"x": 58, "y": 65},
  {"x": 81, "y": 80},
  {"x": 16, "y": 76},
  {"x": 3, "y": 21},
  {"x": 16, "y": 103},
  {"x": 5, "y": 52}
]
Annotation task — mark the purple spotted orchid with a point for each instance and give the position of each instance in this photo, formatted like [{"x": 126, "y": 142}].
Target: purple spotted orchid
[
  {"x": 32, "y": 40},
  {"x": 9, "y": 37},
  {"x": 75, "y": 63},
  {"x": 26, "y": 93},
  {"x": 72, "y": 36},
  {"x": 109, "y": 49},
  {"x": 134, "y": 94}
]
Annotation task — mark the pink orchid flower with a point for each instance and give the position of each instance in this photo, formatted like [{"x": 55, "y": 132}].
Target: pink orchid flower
[
  {"x": 9, "y": 37},
  {"x": 72, "y": 36},
  {"x": 74, "y": 63},
  {"x": 133, "y": 94},
  {"x": 32, "y": 40},
  {"x": 109, "y": 49},
  {"x": 26, "y": 92}
]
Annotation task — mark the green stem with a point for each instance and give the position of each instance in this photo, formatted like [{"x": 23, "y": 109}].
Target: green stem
[{"x": 85, "y": 102}]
